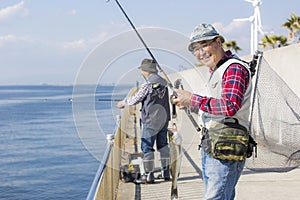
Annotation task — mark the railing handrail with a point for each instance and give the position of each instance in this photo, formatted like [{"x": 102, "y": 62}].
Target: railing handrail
[
  {"x": 108, "y": 176},
  {"x": 97, "y": 180}
]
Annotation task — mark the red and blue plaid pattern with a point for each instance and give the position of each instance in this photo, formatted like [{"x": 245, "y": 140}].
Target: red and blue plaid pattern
[{"x": 235, "y": 82}]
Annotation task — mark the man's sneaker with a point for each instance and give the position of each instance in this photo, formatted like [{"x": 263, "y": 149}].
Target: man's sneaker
[
  {"x": 165, "y": 174},
  {"x": 146, "y": 178},
  {"x": 161, "y": 176},
  {"x": 150, "y": 178}
]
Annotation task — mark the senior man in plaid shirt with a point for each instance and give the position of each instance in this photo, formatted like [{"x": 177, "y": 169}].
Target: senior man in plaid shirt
[
  {"x": 229, "y": 91},
  {"x": 155, "y": 116}
]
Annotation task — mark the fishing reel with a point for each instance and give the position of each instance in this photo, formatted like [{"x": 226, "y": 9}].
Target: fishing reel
[
  {"x": 177, "y": 85},
  {"x": 253, "y": 63}
]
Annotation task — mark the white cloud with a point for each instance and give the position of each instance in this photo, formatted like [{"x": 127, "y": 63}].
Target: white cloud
[
  {"x": 14, "y": 41},
  {"x": 8, "y": 39},
  {"x": 73, "y": 12},
  {"x": 232, "y": 28},
  {"x": 99, "y": 38},
  {"x": 75, "y": 44},
  {"x": 238, "y": 31},
  {"x": 13, "y": 11},
  {"x": 85, "y": 44}
]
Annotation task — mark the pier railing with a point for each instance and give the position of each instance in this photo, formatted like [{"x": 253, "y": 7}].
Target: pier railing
[
  {"x": 108, "y": 186},
  {"x": 106, "y": 181}
]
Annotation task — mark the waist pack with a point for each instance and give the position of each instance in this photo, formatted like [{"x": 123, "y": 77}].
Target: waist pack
[{"x": 228, "y": 140}]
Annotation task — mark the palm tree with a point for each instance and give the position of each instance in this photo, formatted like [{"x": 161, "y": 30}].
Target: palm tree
[
  {"x": 273, "y": 41},
  {"x": 231, "y": 45},
  {"x": 293, "y": 25}
]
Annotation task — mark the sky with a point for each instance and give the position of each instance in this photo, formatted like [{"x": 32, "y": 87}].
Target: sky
[{"x": 51, "y": 41}]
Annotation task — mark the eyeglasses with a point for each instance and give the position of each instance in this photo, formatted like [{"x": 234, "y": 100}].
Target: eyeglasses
[{"x": 202, "y": 46}]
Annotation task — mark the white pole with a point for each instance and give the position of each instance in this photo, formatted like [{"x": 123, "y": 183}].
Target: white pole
[{"x": 252, "y": 41}]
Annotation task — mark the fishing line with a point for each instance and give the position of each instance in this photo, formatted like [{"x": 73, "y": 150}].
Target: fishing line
[{"x": 160, "y": 69}]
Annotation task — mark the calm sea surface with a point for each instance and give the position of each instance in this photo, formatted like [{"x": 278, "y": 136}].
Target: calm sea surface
[{"x": 42, "y": 153}]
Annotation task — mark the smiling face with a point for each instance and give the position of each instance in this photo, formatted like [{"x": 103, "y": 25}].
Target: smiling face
[{"x": 208, "y": 52}]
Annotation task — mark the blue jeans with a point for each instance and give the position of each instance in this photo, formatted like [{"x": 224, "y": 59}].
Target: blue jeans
[
  {"x": 220, "y": 177},
  {"x": 149, "y": 136}
]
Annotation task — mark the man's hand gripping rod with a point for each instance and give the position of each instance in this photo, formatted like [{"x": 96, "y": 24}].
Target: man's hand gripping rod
[
  {"x": 178, "y": 84},
  {"x": 158, "y": 66}
]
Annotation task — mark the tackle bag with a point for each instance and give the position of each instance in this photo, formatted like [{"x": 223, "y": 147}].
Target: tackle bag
[
  {"x": 131, "y": 171},
  {"x": 228, "y": 140}
]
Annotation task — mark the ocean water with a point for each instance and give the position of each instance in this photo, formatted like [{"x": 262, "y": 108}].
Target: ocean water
[{"x": 42, "y": 153}]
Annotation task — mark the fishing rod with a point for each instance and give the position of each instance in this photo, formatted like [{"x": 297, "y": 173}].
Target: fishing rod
[
  {"x": 145, "y": 45},
  {"x": 158, "y": 66},
  {"x": 255, "y": 67},
  {"x": 109, "y": 99}
]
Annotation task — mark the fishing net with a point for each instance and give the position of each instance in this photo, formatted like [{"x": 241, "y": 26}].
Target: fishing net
[{"x": 275, "y": 123}]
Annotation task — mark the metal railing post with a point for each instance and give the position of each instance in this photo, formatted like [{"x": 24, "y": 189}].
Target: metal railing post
[{"x": 110, "y": 174}]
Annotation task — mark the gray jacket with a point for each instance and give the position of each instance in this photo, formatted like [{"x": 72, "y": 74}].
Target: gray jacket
[{"x": 155, "y": 107}]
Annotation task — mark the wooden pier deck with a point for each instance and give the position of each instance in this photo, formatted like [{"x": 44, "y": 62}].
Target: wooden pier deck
[
  {"x": 190, "y": 185},
  {"x": 252, "y": 185}
]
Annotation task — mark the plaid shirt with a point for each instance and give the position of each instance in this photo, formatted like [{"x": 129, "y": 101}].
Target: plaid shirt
[
  {"x": 139, "y": 95},
  {"x": 235, "y": 82}
]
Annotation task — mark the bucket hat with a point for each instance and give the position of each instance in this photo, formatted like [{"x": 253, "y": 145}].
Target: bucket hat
[
  {"x": 148, "y": 65},
  {"x": 203, "y": 32}
]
